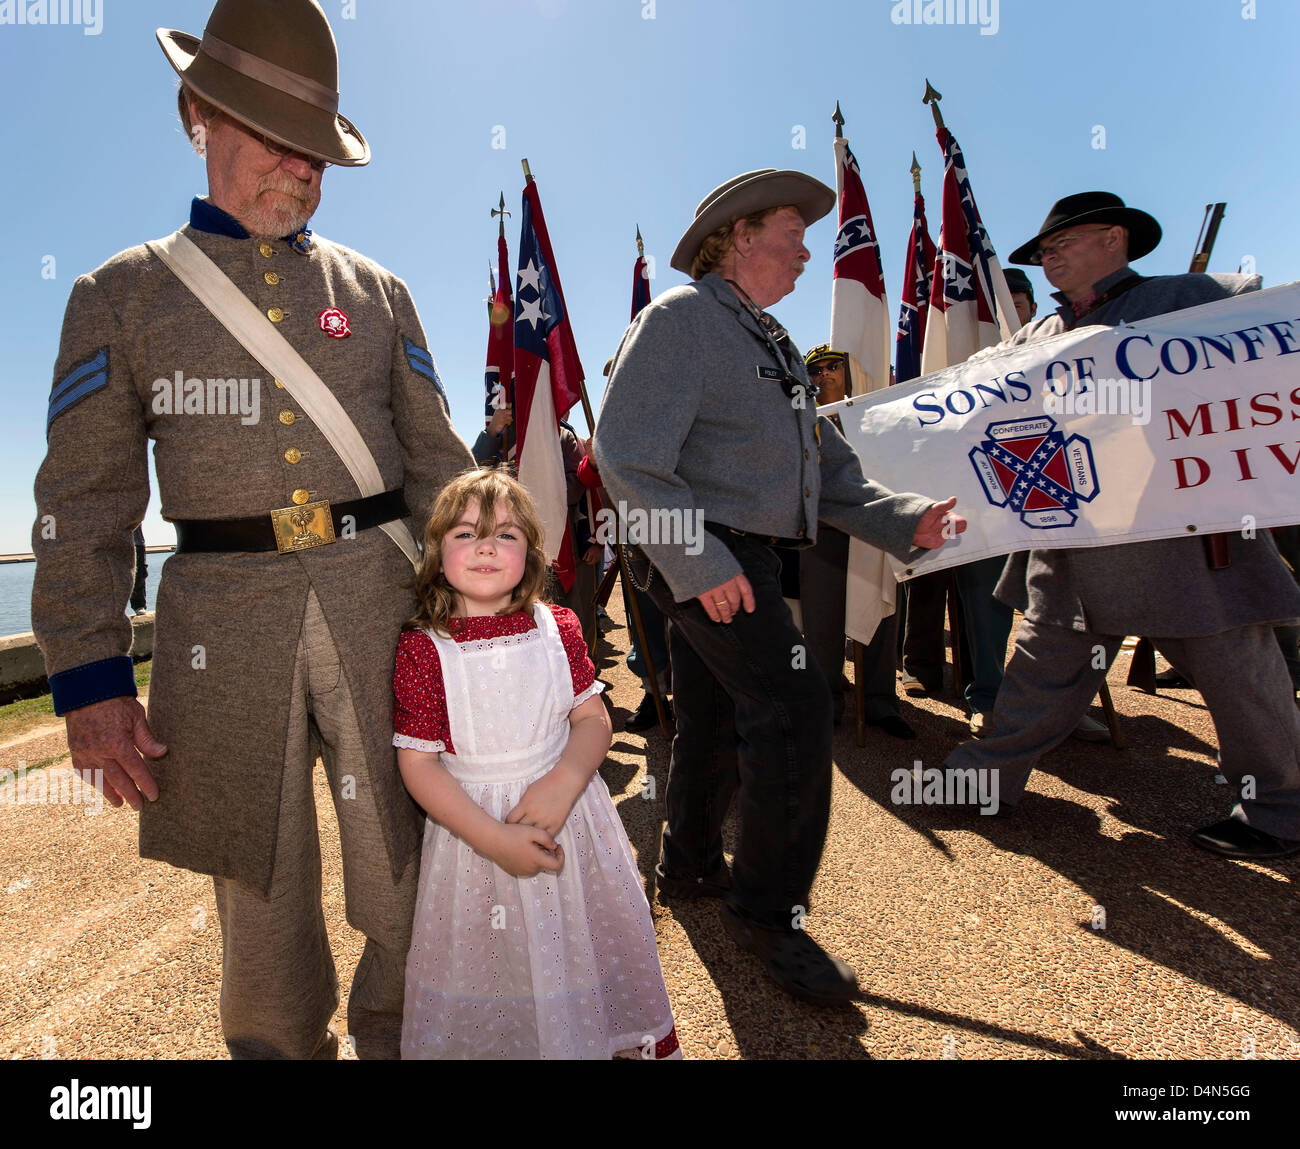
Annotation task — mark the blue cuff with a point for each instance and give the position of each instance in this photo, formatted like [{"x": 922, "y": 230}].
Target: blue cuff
[{"x": 94, "y": 682}]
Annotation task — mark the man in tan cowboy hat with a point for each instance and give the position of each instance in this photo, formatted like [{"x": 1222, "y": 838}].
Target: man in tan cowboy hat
[
  {"x": 739, "y": 447},
  {"x": 278, "y": 616}
]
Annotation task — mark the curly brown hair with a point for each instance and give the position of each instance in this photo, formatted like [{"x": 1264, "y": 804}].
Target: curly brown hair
[
  {"x": 491, "y": 488},
  {"x": 721, "y": 240}
]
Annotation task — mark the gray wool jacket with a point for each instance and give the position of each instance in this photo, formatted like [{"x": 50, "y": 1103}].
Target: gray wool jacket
[
  {"x": 697, "y": 419},
  {"x": 1162, "y": 588}
]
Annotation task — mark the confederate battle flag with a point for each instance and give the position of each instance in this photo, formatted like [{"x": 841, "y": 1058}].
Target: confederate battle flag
[
  {"x": 860, "y": 324},
  {"x": 968, "y": 285},
  {"x": 916, "y": 296}
]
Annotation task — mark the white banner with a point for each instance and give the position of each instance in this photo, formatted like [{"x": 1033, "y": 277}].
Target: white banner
[{"x": 1182, "y": 424}]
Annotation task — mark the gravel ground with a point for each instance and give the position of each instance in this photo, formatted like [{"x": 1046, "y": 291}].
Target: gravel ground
[{"x": 1085, "y": 927}]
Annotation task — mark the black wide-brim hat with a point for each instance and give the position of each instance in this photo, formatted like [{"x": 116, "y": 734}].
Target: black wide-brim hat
[
  {"x": 1093, "y": 207},
  {"x": 272, "y": 65},
  {"x": 747, "y": 193}
]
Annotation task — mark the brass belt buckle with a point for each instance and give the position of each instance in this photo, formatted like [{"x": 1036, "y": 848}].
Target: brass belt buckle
[{"x": 301, "y": 528}]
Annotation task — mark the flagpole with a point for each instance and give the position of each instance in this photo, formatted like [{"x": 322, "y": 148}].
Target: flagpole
[
  {"x": 500, "y": 210},
  {"x": 916, "y": 176},
  {"x": 838, "y": 120},
  {"x": 932, "y": 98}
]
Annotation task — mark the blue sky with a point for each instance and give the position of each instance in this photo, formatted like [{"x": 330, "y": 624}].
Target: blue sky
[{"x": 629, "y": 112}]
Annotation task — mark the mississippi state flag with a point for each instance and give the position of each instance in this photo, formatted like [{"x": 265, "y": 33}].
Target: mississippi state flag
[
  {"x": 915, "y": 308},
  {"x": 499, "y": 374},
  {"x": 970, "y": 305},
  {"x": 548, "y": 375},
  {"x": 860, "y": 324}
]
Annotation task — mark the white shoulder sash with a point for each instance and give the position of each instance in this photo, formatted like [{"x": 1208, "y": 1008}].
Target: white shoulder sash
[{"x": 238, "y": 314}]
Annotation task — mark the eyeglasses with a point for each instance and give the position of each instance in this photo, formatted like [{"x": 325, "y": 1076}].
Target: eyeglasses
[
  {"x": 280, "y": 151},
  {"x": 1061, "y": 242},
  {"x": 824, "y": 368}
]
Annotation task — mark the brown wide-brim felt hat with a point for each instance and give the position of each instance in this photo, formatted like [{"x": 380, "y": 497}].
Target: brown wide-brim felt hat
[
  {"x": 1093, "y": 207},
  {"x": 748, "y": 193},
  {"x": 272, "y": 65}
]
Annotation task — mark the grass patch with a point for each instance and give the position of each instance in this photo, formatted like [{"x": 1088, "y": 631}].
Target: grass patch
[{"x": 28, "y": 713}]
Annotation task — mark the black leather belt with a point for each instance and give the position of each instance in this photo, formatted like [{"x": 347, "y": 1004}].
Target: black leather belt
[
  {"x": 290, "y": 529},
  {"x": 722, "y": 530}
]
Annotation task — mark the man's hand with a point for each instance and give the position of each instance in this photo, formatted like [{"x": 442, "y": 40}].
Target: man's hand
[
  {"x": 523, "y": 851},
  {"x": 937, "y": 526},
  {"x": 546, "y": 804},
  {"x": 111, "y": 736},
  {"x": 502, "y": 417},
  {"x": 722, "y": 602},
  {"x": 592, "y": 554}
]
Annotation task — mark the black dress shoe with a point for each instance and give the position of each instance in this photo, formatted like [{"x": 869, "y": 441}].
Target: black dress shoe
[
  {"x": 716, "y": 885},
  {"x": 1233, "y": 838},
  {"x": 1171, "y": 678},
  {"x": 645, "y": 716},
  {"x": 893, "y": 725}
]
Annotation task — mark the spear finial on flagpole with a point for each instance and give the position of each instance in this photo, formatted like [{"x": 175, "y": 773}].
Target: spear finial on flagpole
[
  {"x": 528, "y": 172},
  {"x": 500, "y": 210},
  {"x": 916, "y": 175},
  {"x": 640, "y": 243},
  {"x": 492, "y": 287},
  {"x": 838, "y": 119},
  {"x": 932, "y": 98}
]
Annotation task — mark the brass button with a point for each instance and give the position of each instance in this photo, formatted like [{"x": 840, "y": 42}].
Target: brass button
[
  {"x": 266, "y": 249},
  {"x": 292, "y": 455},
  {"x": 271, "y": 278},
  {"x": 799, "y": 533},
  {"x": 805, "y": 455},
  {"x": 300, "y": 496},
  {"x": 274, "y": 314},
  {"x": 286, "y": 417},
  {"x": 279, "y": 384},
  {"x": 807, "y": 491}
]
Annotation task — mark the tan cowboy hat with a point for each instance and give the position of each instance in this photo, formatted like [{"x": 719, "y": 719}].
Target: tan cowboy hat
[
  {"x": 748, "y": 193},
  {"x": 272, "y": 65}
]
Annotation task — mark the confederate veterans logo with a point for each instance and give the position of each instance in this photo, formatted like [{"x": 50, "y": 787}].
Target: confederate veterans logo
[{"x": 1029, "y": 466}]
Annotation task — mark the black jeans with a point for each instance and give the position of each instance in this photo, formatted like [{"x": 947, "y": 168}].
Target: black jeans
[{"x": 753, "y": 723}]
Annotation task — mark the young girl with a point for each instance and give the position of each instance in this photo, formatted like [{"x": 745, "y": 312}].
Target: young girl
[{"x": 532, "y": 936}]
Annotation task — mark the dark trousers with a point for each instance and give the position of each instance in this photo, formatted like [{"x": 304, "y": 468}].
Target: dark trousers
[
  {"x": 753, "y": 724},
  {"x": 924, "y": 653},
  {"x": 987, "y": 624}
]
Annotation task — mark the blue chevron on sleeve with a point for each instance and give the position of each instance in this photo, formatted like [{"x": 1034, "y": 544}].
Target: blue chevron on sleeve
[
  {"x": 422, "y": 362},
  {"x": 84, "y": 379}
]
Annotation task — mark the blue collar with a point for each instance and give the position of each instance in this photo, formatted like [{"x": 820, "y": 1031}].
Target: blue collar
[{"x": 205, "y": 216}]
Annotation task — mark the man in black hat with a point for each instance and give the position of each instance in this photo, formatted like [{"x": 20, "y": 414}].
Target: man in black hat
[
  {"x": 278, "y": 617},
  {"x": 1214, "y": 625}
]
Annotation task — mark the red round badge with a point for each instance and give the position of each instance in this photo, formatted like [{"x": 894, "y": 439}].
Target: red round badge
[{"x": 334, "y": 323}]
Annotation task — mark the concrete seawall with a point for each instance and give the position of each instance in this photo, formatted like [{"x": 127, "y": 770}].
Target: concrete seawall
[{"x": 22, "y": 669}]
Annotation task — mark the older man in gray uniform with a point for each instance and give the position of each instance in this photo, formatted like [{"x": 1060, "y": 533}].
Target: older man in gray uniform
[
  {"x": 1214, "y": 625},
  {"x": 278, "y": 617},
  {"x": 708, "y": 418}
]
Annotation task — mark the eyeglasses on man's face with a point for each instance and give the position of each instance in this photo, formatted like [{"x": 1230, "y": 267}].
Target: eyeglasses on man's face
[{"x": 1068, "y": 239}]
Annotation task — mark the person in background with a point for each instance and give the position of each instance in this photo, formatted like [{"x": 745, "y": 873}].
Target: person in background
[{"x": 822, "y": 578}]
